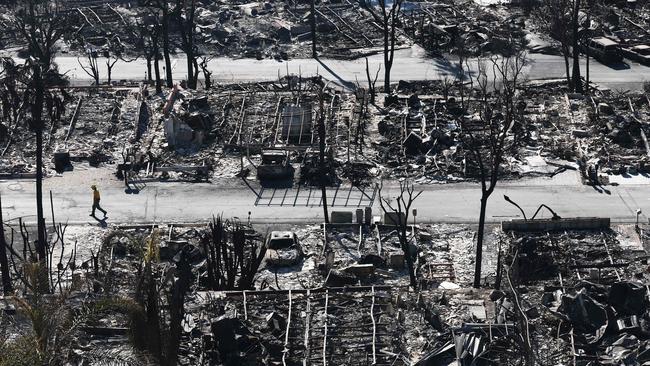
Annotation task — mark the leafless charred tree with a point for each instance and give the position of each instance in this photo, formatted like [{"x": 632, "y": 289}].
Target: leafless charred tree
[
  {"x": 164, "y": 13},
  {"x": 372, "y": 82},
  {"x": 207, "y": 74},
  {"x": 559, "y": 18},
  {"x": 185, "y": 13},
  {"x": 460, "y": 48},
  {"x": 38, "y": 25},
  {"x": 114, "y": 51},
  {"x": 575, "y": 26},
  {"x": 390, "y": 15},
  {"x": 488, "y": 141},
  {"x": 523, "y": 338},
  {"x": 150, "y": 27},
  {"x": 399, "y": 212},
  {"x": 91, "y": 66},
  {"x": 155, "y": 51}
]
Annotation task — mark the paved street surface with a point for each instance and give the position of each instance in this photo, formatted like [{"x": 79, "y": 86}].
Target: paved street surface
[
  {"x": 410, "y": 64},
  {"x": 187, "y": 202}
]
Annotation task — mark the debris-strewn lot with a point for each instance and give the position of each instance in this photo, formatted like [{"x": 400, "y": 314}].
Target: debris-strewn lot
[
  {"x": 231, "y": 293},
  {"x": 231, "y": 130},
  {"x": 277, "y": 30}
]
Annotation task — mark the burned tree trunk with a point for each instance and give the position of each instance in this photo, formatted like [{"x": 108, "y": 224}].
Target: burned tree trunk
[
  {"x": 7, "y": 287},
  {"x": 389, "y": 19},
  {"x": 565, "y": 55},
  {"x": 556, "y": 18},
  {"x": 489, "y": 142},
  {"x": 156, "y": 62},
  {"x": 186, "y": 13},
  {"x": 109, "y": 67},
  {"x": 195, "y": 78},
  {"x": 37, "y": 126},
  {"x": 149, "y": 76},
  {"x": 577, "y": 82},
  {"x": 168, "y": 63},
  {"x": 372, "y": 82},
  {"x": 479, "y": 239},
  {"x": 207, "y": 74},
  {"x": 93, "y": 67},
  {"x": 321, "y": 153}
]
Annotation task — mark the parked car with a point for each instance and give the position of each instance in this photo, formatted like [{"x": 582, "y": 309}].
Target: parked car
[
  {"x": 603, "y": 49},
  {"x": 282, "y": 249},
  {"x": 640, "y": 54}
]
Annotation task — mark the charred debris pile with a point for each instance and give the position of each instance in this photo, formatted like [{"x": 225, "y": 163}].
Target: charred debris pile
[
  {"x": 465, "y": 28},
  {"x": 268, "y": 130},
  {"x": 229, "y": 293},
  {"x": 92, "y": 127},
  {"x": 420, "y": 132},
  {"x": 582, "y": 296},
  {"x": 272, "y": 29}
]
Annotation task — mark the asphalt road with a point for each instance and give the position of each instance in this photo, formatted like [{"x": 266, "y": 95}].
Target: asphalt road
[
  {"x": 453, "y": 203},
  {"x": 410, "y": 64}
]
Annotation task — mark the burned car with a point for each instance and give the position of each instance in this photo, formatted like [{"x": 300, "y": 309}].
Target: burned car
[
  {"x": 275, "y": 165},
  {"x": 282, "y": 249}
]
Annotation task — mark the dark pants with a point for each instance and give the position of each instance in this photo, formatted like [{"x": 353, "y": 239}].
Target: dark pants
[{"x": 96, "y": 206}]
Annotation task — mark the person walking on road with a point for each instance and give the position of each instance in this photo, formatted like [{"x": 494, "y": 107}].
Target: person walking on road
[{"x": 96, "y": 198}]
